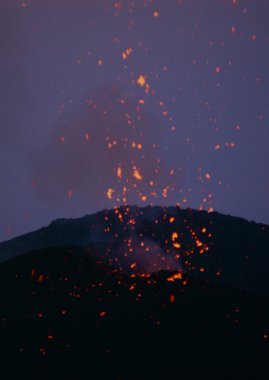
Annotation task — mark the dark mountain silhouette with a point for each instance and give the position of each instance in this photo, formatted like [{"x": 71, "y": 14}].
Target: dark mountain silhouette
[
  {"x": 234, "y": 251},
  {"x": 91, "y": 300}
]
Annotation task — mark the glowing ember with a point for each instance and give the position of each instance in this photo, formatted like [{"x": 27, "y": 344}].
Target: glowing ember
[
  {"x": 126, "y": 53},
  {"x": 141, "y": 80},
  {"x": 119, "y": 172},
  {"x": 174, "y": 277},
  {"x": 136, "y": 174},
  {"x": 110, "y": 192}
]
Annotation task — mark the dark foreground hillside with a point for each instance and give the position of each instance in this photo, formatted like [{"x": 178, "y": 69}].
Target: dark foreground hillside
[{"x": 67, "y": 313}]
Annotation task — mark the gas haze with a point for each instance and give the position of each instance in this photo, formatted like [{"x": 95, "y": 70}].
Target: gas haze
[
  {"x": 109, "y": 131},
  {"x": 69, "y": 88}
]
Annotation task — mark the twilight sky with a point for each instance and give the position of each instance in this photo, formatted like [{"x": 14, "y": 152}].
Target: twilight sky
[{"x": 132, "y": 102}]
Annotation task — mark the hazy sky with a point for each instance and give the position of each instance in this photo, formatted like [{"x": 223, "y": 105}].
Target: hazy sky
[{"x": 144, "y": 102}]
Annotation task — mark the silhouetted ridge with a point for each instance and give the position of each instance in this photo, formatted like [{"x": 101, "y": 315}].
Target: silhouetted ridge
[{"x": 222, "y": 248}]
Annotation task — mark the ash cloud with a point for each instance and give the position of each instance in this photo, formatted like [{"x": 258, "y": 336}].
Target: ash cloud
[
  {"x": 148, "y": 258},
  {"x": 86, "y": 148}
]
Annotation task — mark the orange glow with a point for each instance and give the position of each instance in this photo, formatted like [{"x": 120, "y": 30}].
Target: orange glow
[
  {"x": 141, "y": 80},
  {"x": 156, "y": 14},
  {"x": 119, "y": 172},
  {"x": 126, "y": 53},
  {"x": 174, "y": 277},
  {"x": 136, "y": 174},
  {"x": 164, "y": 192},
  {"x": 109, "y": 193},
  {"x": 177, "y": 245},
  {"x": 199, "y": 243},
  {"x": 174, "y": 236},
  {"x": 172, "y": 298},
  {"x": 171, "y": 220}
]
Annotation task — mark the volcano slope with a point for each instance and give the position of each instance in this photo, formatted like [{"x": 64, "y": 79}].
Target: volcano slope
[
  {"x": 88, "y": 310},
  {"x": 224, "y": 249}
]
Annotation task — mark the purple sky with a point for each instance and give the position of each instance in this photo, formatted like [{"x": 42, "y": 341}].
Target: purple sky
[{"x": 73, "y": 110}]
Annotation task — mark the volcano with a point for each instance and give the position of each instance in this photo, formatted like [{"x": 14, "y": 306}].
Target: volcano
[{"x": 137, "y": 293}]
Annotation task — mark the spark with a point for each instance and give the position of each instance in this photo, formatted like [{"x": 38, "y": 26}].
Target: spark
[
  {"x": 119, "y": 172},
  {"x": 110, "y": 192},
  {"x": 141, "y": 80},
  {"x": 126, "y": 53},
  {"x": 136, "y": 174},
  {"x": 174, "y": 277},
  {"x": 40, "y": 278}
]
